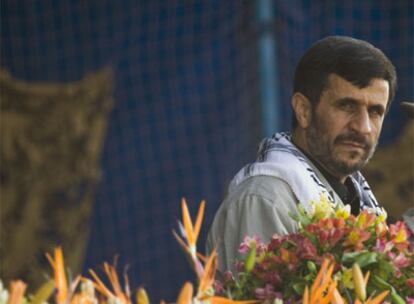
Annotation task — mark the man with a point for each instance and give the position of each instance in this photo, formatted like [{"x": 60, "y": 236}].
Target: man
[{"x": 343, "y": 88}]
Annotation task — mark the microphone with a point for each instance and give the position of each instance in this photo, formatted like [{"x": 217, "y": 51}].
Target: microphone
[
  {"x": 408, "y": 217},
  {"x": 408, "y": 108}
]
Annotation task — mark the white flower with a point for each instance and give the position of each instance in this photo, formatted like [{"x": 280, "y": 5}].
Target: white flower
[{"x": 4, "y": 294}]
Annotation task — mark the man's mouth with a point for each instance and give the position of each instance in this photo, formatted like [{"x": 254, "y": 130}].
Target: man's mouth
[
  {"x": 353, "y": 141},
  {"x": 353, "y": 144}
]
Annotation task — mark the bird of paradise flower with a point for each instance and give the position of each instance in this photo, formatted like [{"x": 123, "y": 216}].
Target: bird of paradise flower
[
  {"x": 205, "y": 273},
  {"x": 65, "y": 289}
]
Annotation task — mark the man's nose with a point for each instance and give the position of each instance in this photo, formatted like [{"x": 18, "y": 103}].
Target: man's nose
[{"x": 361, "y": 122}]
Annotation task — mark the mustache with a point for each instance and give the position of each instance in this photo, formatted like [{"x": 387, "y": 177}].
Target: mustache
[{"x": 354, "y": 137}]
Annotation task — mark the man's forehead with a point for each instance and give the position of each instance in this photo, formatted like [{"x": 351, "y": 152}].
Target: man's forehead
[
  {"x": 376, "y": 86},
  {"x": 337, "y": 80}
]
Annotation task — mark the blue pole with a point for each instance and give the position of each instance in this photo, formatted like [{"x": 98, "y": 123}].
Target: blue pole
[{"x": 268, "y": 78}]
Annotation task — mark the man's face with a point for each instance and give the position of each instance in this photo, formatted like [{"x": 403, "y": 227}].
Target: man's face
[{"x": 346, "y": 124}]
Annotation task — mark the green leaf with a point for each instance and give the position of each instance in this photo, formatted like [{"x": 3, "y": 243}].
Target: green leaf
[
  {"x": 385, "y": 268},
  {"x": 362, "y": 258},
  {"x": 311, "y": 266},
  {"x": 43, "y": 293},
  {"x": 299, "y": 288},
  {"x": 396, "y": 298},
  {"x": 380, "y": 283},
  {"x": 250, "y": 258},
  {"x": 301, "y": 218}
]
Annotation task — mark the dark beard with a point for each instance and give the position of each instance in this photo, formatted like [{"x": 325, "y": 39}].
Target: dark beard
[{"x": 322, "y": 150}]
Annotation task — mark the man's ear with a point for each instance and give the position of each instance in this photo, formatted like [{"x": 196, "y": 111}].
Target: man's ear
[{"x": 303, "y": 109}]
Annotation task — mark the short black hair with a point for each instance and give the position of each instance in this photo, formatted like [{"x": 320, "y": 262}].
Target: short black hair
[{"x": 355, "y": 60}]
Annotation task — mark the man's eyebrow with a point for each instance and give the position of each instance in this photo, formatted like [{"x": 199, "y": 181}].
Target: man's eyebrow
[
  {"x": 346, "y": 99},
  {"x": 376, "y": 106}
]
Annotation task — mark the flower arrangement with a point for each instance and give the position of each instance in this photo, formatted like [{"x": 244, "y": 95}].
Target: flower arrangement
[
  {"x": 342, "y": 246},
  {"x": 283, "y": 268}
]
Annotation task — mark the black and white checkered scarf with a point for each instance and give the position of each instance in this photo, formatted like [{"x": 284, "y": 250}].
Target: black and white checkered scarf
[{"x": 278, "y": 157}]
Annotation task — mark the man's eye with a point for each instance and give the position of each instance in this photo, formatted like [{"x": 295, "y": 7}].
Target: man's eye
[
  {"x": 376, "y": 111},
  {"x": 347, "y": 106}
]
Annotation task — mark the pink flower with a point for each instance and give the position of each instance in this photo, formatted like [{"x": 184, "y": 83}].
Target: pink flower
[
  {"x": 286, "y": 257},
  {"x": 381, "y": 229},
  {"x": 399, "y": 235},
  {"x": 218, "y": 287},
  {"x": 228, "y": 276},
  {"x": 409, "y": 300},
  {"x": 410, "y": 283},
  {"x": 329, "y": 231},
  {"x": 401, "y": 261},
  {"x": 249, "y": 242},
  {"x": 239, "y": 266},
  {"x": 266, "y": 276},
  {"x": 267, "y": 293},
  {"x": 383, "y": 246},
  {"x": 243, "y": 248},
  {"x": 398, "y": 261},
  {"x": 356, "y": 238},
  {"x": 306, "y": 250},
  {"x": 274, "y": 278},
  {"x": 276, "y": 241}
]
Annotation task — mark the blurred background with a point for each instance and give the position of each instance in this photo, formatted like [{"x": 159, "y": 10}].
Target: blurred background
[{"x": 112, "y": 111}]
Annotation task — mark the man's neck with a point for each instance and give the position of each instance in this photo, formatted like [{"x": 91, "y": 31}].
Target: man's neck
[
  {"x": 299, "y": 140},
  {"x": 329, "y": 177}
]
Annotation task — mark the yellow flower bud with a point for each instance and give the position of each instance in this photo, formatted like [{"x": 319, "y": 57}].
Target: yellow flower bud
[
  {"x": 359, "y": 282},
  {"x": 142, "y": 297}
]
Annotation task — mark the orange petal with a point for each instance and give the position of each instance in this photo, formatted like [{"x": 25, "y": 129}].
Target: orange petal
[
  {"x": 77, "y": 299},
  {"x": 221, "y": 300},
  {"x": 319, "y": 276},
  {"x": 199, "y": 220},
  {"x": 321, "y": 283},
  {"x": 51, "y": 261},
  {"x": 17, "y": 289},
  {"x": 305, "y": 298},
  {"x": 329, "y": 294},
  {"x": 100, "y": 286},
  {"x": 181, "y": 242},
  {"x": 186, "y": 294},
  {"x": 201, "y": 257},
  {"x": 206, "y": 281},
  {"x": 328, "y": 275},
  {"x": 378, "y": 299},
  {"x": 188, "y": 225},
  {"x": 113, "y": 278},
  {"x": 60, "y": 277}
]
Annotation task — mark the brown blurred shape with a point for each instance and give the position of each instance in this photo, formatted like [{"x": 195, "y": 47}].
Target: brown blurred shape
[{"x": 51, "y": 142}]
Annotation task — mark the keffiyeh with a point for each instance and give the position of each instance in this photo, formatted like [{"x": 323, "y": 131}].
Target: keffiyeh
[{"x": 278, "y": 157}]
